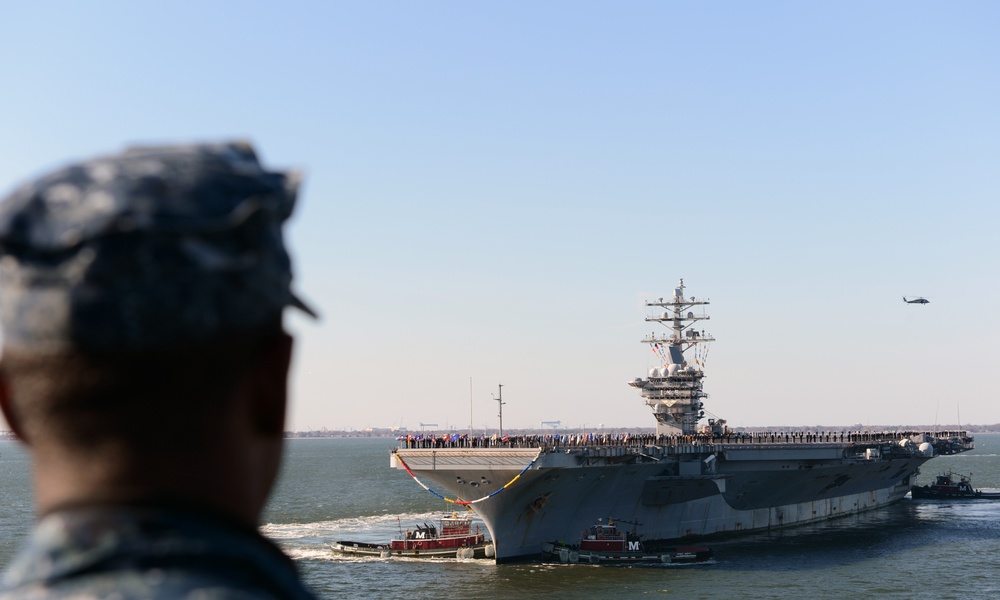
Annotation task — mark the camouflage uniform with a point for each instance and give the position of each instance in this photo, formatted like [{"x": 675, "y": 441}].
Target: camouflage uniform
[
  {"x": 151, "y": 248},
  {"x": 157, "y": 552}
]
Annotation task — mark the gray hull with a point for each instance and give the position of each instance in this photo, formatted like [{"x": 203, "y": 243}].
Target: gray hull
[{"x": 678, "y": 493}]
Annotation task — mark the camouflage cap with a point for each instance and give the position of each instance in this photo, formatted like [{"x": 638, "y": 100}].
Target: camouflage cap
[{"x": 152, "y": 247}]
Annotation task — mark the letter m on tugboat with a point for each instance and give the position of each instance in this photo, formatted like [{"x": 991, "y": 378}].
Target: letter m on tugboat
[{"x": 606, "y": 543}]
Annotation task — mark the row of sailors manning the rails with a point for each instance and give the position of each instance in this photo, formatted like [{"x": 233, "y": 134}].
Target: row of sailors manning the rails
[{"x": 903, "y": 438}]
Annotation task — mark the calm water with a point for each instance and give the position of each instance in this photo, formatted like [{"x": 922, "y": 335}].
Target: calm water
[{"x": 334, "y": 489}]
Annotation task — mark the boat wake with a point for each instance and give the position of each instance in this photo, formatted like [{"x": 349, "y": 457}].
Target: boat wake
[{"x": 311, "y": 541}]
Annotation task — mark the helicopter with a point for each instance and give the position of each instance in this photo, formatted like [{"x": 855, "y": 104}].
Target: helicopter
[{"x": 916, "y": 301}]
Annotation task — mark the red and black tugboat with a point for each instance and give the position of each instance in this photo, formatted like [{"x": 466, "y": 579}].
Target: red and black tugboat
[
  {"x": 605, "y": 543},
  {"x": 946, "y": 488},
  {"x": 454, "y": 539}
]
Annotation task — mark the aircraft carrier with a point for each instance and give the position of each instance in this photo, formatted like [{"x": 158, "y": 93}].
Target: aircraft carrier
[{"x": 685, "y": 482}]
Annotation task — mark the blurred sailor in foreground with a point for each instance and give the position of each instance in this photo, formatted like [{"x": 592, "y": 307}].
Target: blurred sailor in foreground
[{"x": 145, "y": 368}]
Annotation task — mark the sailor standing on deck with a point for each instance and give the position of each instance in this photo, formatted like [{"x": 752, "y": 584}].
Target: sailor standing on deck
[{"x": 145, "y": 368}]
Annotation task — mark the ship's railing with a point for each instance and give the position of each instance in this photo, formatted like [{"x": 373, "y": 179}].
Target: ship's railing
[{"x": 958, "y": 441}]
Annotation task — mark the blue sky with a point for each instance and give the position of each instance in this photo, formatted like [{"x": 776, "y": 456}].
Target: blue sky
[{"x": 493, "y": 189}]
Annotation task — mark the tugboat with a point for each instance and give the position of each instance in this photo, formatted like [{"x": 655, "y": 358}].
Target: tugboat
[
  {"x": 605, "y": 543},
  {"x": 454, "y": 539},
  {"x": 946, "y": 488}
]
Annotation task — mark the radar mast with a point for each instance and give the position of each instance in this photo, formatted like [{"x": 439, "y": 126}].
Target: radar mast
[{"x": 674, "y": 389}]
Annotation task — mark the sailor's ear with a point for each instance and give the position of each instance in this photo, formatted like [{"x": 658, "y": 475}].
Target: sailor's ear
[
  {"x": 269, "y": 385},
  {"x": 7, "y": 407}
]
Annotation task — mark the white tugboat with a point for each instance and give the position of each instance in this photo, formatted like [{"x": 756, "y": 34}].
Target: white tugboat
[{"x": 682, "y": 484}]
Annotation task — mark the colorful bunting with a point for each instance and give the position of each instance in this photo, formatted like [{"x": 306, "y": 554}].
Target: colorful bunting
[{"x": 467, "y": 502}]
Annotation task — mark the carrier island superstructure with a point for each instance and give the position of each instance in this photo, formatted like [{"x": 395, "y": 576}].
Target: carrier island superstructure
[{"x": 684, "y": 482}]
